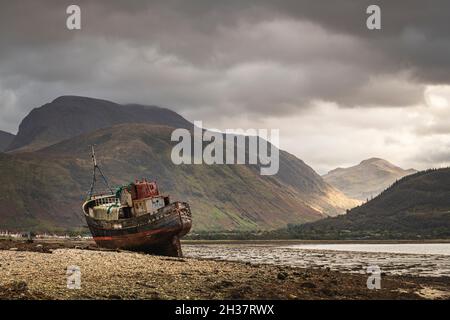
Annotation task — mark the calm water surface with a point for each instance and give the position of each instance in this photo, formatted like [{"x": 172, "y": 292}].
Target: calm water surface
[
  {"x": 430, "y": 259},
  {"x": 407, "y": 248}
]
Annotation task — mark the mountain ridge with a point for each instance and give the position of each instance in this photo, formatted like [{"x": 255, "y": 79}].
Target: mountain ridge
[
  {"x": 417, "y": 206},
  {"x": 366, "y": 179},
  {"x": 222, "y": 196},
  {"x": 47, "y": 183},
  {"x": 47, "y": 125}
]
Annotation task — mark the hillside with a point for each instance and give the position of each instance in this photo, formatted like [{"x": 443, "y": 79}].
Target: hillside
[
  {"x": 44, "y": 189},
  {"x": 367, "y": 179},
  {"x": 5, "y": 140},
  {"x": 70, "y": 116},
  {"x": 417, "y": 206}
]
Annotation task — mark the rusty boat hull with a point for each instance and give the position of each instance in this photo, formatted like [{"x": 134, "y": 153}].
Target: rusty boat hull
[{"x": 156, "y": 233}]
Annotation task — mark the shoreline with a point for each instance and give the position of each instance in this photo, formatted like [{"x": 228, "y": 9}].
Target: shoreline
[
  {"x": 298, "y": 241},
  {"x": 252, "y": 241},
  {"x": 38, "y": 271}
]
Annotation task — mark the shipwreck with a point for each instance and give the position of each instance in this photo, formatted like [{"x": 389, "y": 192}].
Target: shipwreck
[{"x": 136, "y": 217}]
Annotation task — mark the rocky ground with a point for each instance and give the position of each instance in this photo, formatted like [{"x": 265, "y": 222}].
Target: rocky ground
[{"x": 38, "y": 270}]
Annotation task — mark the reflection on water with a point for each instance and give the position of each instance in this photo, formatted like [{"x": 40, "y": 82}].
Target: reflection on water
[
  {"x": 409, "y": 259},
  {"x": 408, "y": 248}
]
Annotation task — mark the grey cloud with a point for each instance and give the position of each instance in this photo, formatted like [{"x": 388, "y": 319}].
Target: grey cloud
[
  {"x": 222, "y": 57},
  {"x": 436, "y": 155}
]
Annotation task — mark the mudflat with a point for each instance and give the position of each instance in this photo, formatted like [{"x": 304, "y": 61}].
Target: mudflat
[{"x": 39, "y": 271}]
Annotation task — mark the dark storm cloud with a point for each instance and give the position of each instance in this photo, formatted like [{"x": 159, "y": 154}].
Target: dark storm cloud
[
  {"x": 415, "y": 33},
  {"x": 256, "y": 57}
]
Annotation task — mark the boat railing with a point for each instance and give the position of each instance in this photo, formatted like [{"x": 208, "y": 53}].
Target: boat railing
[{"x": 108, "y": 199}]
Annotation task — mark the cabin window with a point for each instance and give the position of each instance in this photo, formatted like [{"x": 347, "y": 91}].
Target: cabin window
[{"x": 157, "y": 203}]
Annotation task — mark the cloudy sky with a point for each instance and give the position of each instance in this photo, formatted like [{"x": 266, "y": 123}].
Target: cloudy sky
[{"x": 338, "y": 92}]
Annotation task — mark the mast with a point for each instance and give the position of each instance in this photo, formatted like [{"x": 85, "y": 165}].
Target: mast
[{"x": 94, "y": 176}]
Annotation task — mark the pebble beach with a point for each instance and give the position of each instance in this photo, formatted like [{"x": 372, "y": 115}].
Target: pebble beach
[{"x": 39, "y": 271}]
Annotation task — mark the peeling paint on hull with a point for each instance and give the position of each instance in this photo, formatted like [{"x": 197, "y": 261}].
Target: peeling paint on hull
[{"x": 157, "y": 233}]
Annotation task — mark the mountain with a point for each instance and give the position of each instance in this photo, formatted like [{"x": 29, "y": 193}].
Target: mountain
[
  {"x": 367, "y": 179},
  {"x": 417, "y": 206},
  {"x": 5, "y": 140},
  {"x": 44, "y": 189},
  {"x": 69, "y": 116}
]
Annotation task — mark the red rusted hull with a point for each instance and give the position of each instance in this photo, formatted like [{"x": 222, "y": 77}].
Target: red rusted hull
[{"x": 157, "y": 233}]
